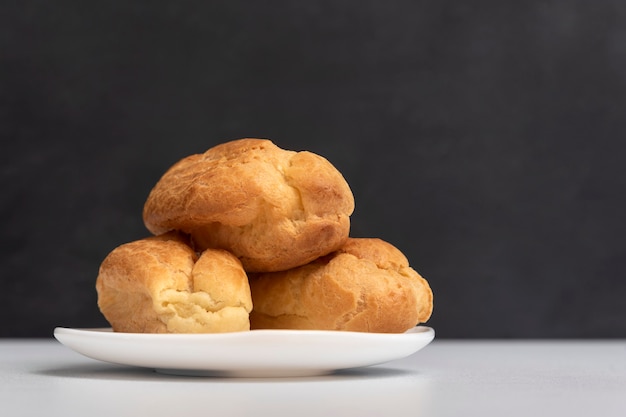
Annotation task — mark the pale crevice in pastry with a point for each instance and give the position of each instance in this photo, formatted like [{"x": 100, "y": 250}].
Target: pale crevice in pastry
[{"x": 361, "y": 306}]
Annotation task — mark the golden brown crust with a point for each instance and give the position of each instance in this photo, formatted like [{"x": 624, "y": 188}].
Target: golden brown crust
[
  {"x": 367, "y": 286},
  {"x": 273, "y": 208},
  {"x": 160, "y": 285}
]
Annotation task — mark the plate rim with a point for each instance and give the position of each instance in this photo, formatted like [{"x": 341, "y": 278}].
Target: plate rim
[{"x": 108, "y": 332}]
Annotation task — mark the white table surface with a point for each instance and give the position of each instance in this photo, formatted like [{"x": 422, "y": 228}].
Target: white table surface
[{"x": 446, "y": 378}]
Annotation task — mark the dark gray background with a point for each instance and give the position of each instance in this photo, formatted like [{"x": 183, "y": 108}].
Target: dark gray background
[{"x": 484, "y": 139}]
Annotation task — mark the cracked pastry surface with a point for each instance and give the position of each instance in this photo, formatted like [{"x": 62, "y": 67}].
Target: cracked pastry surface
[
  {"x": 160, "y": 285},
  {"x": 274, "y": 209},
  {"x": 367, "y": 285}
]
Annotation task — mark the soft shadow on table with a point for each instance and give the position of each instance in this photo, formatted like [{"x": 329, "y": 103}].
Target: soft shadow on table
[{"x": 103, "y": 371}]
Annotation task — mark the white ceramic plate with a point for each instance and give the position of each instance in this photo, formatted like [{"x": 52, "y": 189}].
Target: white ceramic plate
[{"x": 257, "y": 353}]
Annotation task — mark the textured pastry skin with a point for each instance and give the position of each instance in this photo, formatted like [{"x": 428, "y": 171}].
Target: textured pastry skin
[
  {"x": 274, "y": 209},
  {"x": 365, "y": 286},
  {"x": 160, "y": 285}
]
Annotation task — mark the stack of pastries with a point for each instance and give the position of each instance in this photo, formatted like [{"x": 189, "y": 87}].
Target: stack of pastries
[{"x": 251, "y": 236}]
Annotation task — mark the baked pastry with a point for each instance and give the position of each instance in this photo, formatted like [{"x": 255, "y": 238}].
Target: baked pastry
[
  {"x": 160, "y": 285},
  {"x": 274, "y": 209},
  {"x": 365, "y": 286}
]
